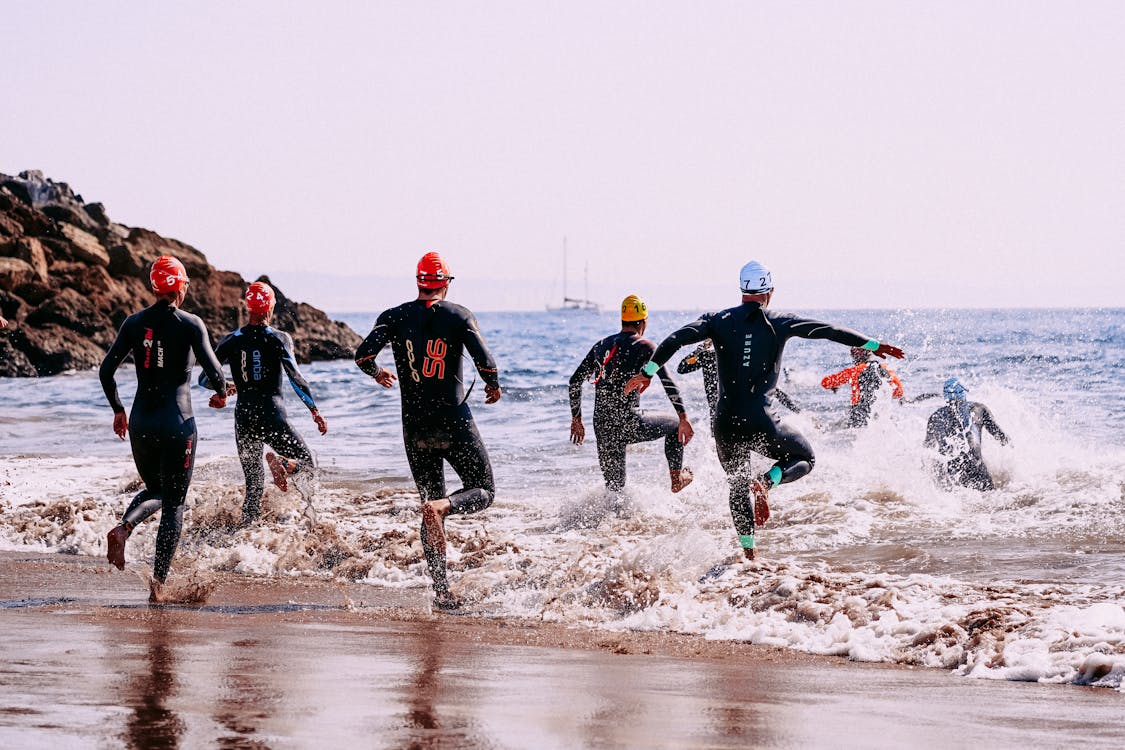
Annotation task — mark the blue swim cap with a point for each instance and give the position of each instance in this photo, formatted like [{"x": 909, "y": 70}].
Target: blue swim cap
[{"x": 953, "y": 390}]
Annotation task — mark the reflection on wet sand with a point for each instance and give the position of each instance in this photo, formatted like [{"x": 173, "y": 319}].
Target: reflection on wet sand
[{"x": 150, "y": 686}]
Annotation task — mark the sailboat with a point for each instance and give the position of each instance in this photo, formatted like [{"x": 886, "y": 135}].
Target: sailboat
[{"x": 572, "y": 303}]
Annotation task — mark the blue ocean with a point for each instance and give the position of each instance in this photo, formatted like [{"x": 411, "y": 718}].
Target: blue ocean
[{"x": 866, "y": 557}]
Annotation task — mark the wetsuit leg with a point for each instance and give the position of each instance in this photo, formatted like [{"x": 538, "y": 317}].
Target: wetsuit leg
[
  {"x": 790, "y": 450},
  {"x": 611, "y": 458},
  {"x": 655, "y": 426},
  {"x": 249, "y": 442},
  {"x": 146, "y": 455},
  {"x": 971, "y": 472},
  {"x": 468, "y": 457},
  {"x": 423, "y": 453},
  {"x": 734, "y": 456}
]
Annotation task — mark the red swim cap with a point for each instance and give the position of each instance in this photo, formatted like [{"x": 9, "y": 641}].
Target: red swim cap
[
  {"x": 259, "y": 298},
  {"x": 432, "y": 272},
  {"x": 167, "y": 275}
]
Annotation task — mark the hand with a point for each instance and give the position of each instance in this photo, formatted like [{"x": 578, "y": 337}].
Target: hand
[
  {"x": 577, "y": 431},
  {"x": 320, "y": 423},
  {"x": 385, "y": 378},
  {"x": 218, "y": 401},
  {"x": 885, "y": 349},
  {"x": 492, "y": 394},
  {"x": 120, "y": 424},
  {"x": 232, "y": 389},
  {"x": 639, "y": 383},
  {"x": 832, "y": 389},
  {"x": 685, "y": 432}
]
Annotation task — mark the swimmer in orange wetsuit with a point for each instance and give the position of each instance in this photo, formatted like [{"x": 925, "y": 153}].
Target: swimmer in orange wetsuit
[{"x": 865, "y": 377}]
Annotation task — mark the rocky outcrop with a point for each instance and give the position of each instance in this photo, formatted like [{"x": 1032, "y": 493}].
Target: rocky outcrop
[{"x": 69, "y": 276}]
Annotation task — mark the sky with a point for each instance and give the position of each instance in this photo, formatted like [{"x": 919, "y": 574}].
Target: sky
[{"x": 871, "y": 154}]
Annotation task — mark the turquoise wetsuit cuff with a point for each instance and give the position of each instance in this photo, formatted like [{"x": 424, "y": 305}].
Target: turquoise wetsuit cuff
[
  {"x": 650, "y": 369},
  {"x": 871, "y": 345},
  {"x": 775, "y": 476},
  {"x": 746, "y": 540}
]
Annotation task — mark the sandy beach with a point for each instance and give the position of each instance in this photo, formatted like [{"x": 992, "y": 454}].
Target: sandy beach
[{"x": 267, "y": 663}]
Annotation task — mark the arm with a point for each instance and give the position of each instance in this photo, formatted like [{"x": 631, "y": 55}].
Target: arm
[
  {"x": 899, "y": 392},
  {"x": 201, "y": 345},
  {"x": 691, "y": 362},
  {"x": 837, "y": 379},
  {"x": 368, "y": 350},
  {"x": 814, "y": 329},
  {"x": 113, "y": 359},
  {"x": 222, "y": 354},
  {"x": 990, "y": 424},
  {"x": 483, "y": 360},
  {"x": 786, "y": 401},
  {"x": 300, "y": 385},
  {"x": 692, "y": 333},
  {"x": 586, "y": 369},
  {"x": 685, "y": 430}
]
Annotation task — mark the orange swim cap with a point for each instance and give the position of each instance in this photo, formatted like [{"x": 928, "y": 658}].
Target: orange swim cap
[
  {"x": 633, "y": 309},
  {"x": 167, "y": 275},
  {"x": 259, "y": 298},
  {"x": 433, "y": 273}
]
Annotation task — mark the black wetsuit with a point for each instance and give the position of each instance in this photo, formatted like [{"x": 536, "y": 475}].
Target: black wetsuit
[
  {"x": 164, "y": 342},
  {"x": 749, "y": 342},
  {"x": 259, "y": 356},
  {"x": 428, "y": 340},
  {"x": 705, "y": 359},
  {"x": 618, "y": 418},
  {"x": 955, "y": 430}
]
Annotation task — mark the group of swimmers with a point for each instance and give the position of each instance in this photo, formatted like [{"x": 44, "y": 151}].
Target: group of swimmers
[{"x": 740, "y": 350}]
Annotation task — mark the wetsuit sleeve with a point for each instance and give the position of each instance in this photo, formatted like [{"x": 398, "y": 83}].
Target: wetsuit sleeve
[
  {"x": 205, "y": 355},
  {"x": 691, "y": 362},
  {"x": 289, "y": 363},
  {"x": 222, "y": 353},
  {"x": 805, "y": 328},
  {"x": 585, "y": 371},
  {"x": 113, "y": 359},
  {"x": 367, "y": 352},
  {"x": 934, "y": 431},
  {"x": 672, "y": 390},
  {"x": 837, "y": 379},
  {"x": 692, "y": 333},
  {"x": 478, "y": 350},
  {"x": 989, "y": 424}
]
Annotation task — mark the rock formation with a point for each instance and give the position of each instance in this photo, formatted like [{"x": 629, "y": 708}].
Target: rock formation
[{"x": 69, "y": 276}]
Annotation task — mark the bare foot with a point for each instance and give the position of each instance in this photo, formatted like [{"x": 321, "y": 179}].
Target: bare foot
[
  {"x": 432, "y": 519},
  {"x": 749, "y": 553},
  {"x": 115, "y": 546},
  {"x": 279, "y": 470},
  {"x": 681, "y": 478},
  {"x": 760, "y": 491},
  {"x": 156, "y": 593},
  {"x": 446, "y": 600}
]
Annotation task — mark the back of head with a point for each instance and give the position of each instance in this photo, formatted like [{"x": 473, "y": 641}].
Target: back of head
[
  {"x": 633, "y": 309},
  {"x": 954, "y": 391},
  {"x": 433, "y": 273},
  {"x": 259, "y": 298},
  {"x": 860, "y": 355},
  {"x": 167, "y": 275},
  {"x": 755, "y": 278}
]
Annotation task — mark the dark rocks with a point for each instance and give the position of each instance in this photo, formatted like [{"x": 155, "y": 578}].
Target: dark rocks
[{"x": 69, "y": 276}]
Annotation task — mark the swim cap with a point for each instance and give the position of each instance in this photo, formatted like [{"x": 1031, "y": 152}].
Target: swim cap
[
  {"x": 259, "y": 298},
  {"x": 953, "y": 390},
  {"x": 167, "y": 275},
  {"x": 755, "y": 278},
  {"x": 433, "y": 273},
  {"x": 633, "y": 309}
]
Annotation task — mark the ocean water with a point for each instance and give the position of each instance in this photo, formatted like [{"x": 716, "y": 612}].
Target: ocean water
[{"x": 865, "y": 557}]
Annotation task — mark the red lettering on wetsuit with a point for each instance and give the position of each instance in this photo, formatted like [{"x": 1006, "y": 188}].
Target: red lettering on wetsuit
[
  {"x": 187, "y": 455},
  {"x": 148, "y": 347},
  {"x": 434, "y": 364}
]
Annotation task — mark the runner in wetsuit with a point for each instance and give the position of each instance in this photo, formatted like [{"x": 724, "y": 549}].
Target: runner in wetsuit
[
  {"x": 165, "y": 343},
  {"x": 955, "y": 430},
  {"x": 749, "y": 340},
  {"x": 703, "y": 358},
  {"x": 259, "y": 355},
  {"x": 866, "y": 377},
  {"x": 618, "y": 419},
  {"x": 428, "y": 337}
]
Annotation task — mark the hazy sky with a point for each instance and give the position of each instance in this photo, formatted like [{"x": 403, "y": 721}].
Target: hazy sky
[{"x": 873, "y": 154}]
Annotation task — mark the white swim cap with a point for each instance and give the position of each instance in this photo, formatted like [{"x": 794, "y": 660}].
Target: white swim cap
[{"x": 755, "y": 278}]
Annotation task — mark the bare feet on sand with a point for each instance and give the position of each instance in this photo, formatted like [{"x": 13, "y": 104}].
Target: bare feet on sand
[
  {"x": 280, "y": 469},
  {"x": 115, "y": 546},
  {"x": 156, "y": 593},
  {"x": 748, "y": 553},
  {"x": 760, "y": 490},
  {"x": 681, "y": 478},
  {"x": 446, "y": 600}
]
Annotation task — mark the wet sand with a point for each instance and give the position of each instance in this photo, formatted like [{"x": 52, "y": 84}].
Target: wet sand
[{"x": 268, "y": 663}]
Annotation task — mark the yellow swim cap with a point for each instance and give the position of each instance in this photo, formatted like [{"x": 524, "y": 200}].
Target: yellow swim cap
[{"x": 633, "y": 309}]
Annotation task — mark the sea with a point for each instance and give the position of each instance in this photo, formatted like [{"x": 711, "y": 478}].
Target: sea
[{"x": 865, "y": 558}]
